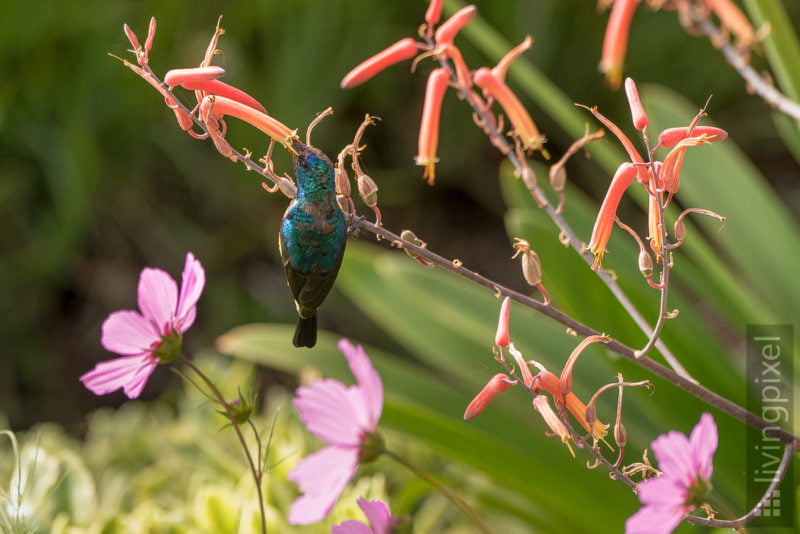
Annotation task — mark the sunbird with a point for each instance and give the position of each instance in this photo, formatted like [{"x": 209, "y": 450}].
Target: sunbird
[{"x": 312, "y": 238}]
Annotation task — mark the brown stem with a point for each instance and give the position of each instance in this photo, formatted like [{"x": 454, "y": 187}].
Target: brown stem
[
  {"x": 699, "y": 391},
  {"x": 738, "y": 523}
]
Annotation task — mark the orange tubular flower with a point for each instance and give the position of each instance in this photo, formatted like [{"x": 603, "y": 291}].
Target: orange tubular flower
[
  {"x": 542, "y": 405},
  {"x": 566, "y": 372},
  {"x": 671, "y": 136},
  {"x": 399, "y": 51},
  {"x": 447, "y": 32},
  {"x": 502, "y": 338},
  {"x": 496, "y": 385},
  {"x": 429, "y": 126},
  {"x": 733, "y": 20},
  {"x": 205, "y": 80},
  {"x": 654, "y": 225},
  {"x": 523, "y": 124},
  {"x": 218, "y": 106},
  {"x": 671, "y": 168},
  {"x": 550, "y": 383},
  {"x": 608, "y": 210},
  {"x": 615, "y": 42}
]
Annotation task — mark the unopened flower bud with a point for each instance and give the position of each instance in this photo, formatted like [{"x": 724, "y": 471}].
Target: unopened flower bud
[
  {"x": 399, "y": 51},
  {"x": 342, "y": 181},
  {"x": 496, "y": 385},
  {"x": 368, "y": 190},
  {"x": 151, "y": 34},
  {"x": 447, "y": 32},
  {"x": 501, "y": 338},
  {"x": 433, "y": 13},
  {"x": 645, "y": 263},
  {"x": 528, "y": 177},
  {"x": 620, "y": 434},
  {"x": 590, "y": 415},
  {"x": 531, "y": 266},
  {"x": 558, "y": 177},
  {"x": 640, "y": 119}
]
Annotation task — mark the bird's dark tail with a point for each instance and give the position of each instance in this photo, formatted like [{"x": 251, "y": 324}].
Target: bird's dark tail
[{"x": 305, "y": 335}]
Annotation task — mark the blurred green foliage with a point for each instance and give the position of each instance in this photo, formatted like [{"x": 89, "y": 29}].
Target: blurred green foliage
[
  {"x": 171, "y": 468},
  {"x": 96, "y": 182}
]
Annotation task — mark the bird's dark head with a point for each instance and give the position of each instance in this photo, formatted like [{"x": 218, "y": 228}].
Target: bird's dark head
[{"x": 309, "y": 160}]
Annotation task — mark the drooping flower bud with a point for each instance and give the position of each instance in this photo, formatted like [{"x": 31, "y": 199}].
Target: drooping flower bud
[
  {"x": 531, "y": 266},
  {"x": 367, "y": 189},
  {"x": 496, "y": 385}
]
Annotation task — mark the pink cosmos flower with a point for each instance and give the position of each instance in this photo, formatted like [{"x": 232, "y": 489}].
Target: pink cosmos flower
[
  {"x": 345, "y": 418},
  {"x": 151, "y": 336},
  {"x": 685, "y": 465},
  {"x": 378, "y": 516}
]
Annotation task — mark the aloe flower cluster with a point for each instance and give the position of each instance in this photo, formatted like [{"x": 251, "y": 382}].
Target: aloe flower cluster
[
  {"x": 438, "y": 41},
  {"x": 660, "y": 178}
]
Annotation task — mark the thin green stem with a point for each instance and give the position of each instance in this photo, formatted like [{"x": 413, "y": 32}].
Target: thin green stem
[
  {"x": 255, "y": 468},
  {"x": 441, "y": 488}
]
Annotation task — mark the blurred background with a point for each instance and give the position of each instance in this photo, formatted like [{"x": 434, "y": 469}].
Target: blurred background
[{"x": 97, "y": 181}]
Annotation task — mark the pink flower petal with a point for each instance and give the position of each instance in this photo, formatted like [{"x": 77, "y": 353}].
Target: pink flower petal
[
  {"x": 328, "y": 412},
  {"x": 368, "y": 379},
  {"x": 126, "y": 332},
  {"x": 654, "y": 520},
  {"x": 158, "y": 297},
  {"x": 137, "y": 382},
  {"x": 377, "y": 514},
  {"x": 703, "y": 442},
  {"x": 321, "y": 478},
  {"x": 351, "y": 526},
  {"x": 674, "y": 455},
  {"x": 129, "y": 372},
  {"x": 662, "y": 492},
  {"x": 192, "y": 282}
]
